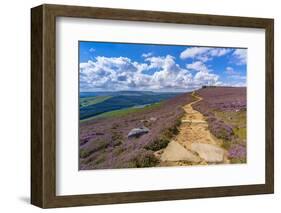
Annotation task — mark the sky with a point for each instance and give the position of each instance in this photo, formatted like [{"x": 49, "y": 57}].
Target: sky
[{"x": 105, "y": 66}]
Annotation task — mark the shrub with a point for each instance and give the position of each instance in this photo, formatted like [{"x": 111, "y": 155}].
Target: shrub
[
  {"x": 83, "y": 153},
  {"x": 100, "y": 159},
  {"x": 220, "y": 129},
  {"x": 146, "y": 159},
  {"x": 237, "y": 151},
  {"x": 167, "y": 135},
  {"x": 117, "y": 143},
  {"x": 158, "y": 144},
  {"x": 115, "y": 126},
  {"x": 174, "y": 130},
  {"x": 178, "y": 122},
  {"x": 118, "y": 150},
  {"x": 95, "y": 146},
  {"x": 116, "y": 136}
]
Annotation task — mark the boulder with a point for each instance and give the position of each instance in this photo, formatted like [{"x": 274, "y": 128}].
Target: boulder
[{"x": 136, "y": 132}]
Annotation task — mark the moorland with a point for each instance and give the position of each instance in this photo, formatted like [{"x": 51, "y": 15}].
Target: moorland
[{"x": 132, "y": 129}]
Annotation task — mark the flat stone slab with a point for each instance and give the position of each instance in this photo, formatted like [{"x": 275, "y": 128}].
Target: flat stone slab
[
  {"x": 194, "y": 121},
  {"x": 176, "y": 152},
  {"x": 210, "y": 153}
]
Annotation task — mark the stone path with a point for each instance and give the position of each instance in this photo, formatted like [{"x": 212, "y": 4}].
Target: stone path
[{"x": 194, "y": 144}]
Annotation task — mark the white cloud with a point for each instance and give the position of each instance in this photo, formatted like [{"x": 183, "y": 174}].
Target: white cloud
[
  {"x": 203, "y": 53},
  {"x": 198, "y": 66},
  {"x": 239, "y": 77},
  {"x": 239, "y": 84},
  {"x": 203, "y": 75},
  {"x": 230, "y": 71},
  {"x": 240, "y": 56},
  {"x": 145, "y": 55},
  {"x": 92, "y": 50},
  {"x": 217, "y": 52},
  {"x": 121, "y": 73},
  {"x": 234, "y": 74},
  {"x": 235, "y": 78},
  {"x": 193, "y": 52},
  {"x": 165, "y": 62},
  {"x": 206, "y": 78},
  {"x": 157, "y": 62},
  {"x": 234, "y": 84}
]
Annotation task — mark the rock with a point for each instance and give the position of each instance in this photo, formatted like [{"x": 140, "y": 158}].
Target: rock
[
  {"x": 176, "y": 152},
  {"x": 209, "y": 152},
  {"x": 194, "y": 121},
  {"x": 153, "y": 119},
  {"x": 136, "y": 132}
]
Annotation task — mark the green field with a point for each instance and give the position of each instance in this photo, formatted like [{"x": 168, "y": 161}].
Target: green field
[
  {"x": 123, "y": 112},
  {"x": 84, "y": 102}
]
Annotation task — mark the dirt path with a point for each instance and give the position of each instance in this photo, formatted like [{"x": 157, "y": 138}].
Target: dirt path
[{"x": 194, "y": 145}]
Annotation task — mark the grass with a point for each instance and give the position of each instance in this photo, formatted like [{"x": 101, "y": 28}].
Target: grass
[
  {"x": 123, "y": 112},
  {"x": 101, "y": 158},
  {"x": 87, "y": 101},
  {"x": 241, "y": 132},
  {"x": 232, "y": 118},
  {"x": 237, "y": 160},
  {"x": 83, "y": 153},
  {"x": 226, "y": 144},
  {"x": 237, "y": 120}
]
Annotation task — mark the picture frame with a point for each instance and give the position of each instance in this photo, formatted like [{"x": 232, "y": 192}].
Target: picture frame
[{"x": 43, "y": 105}]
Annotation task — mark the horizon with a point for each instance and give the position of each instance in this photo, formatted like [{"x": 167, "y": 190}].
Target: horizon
[
  {"x": 107, "y": 66},
  {"x": 156, "y": 91}
]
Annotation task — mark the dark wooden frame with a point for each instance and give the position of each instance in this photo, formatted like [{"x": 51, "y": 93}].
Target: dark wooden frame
[{"x": 43, "y": 105}]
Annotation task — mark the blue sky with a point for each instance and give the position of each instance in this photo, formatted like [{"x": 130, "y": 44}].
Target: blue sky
[{"x": 120, "y": 66}]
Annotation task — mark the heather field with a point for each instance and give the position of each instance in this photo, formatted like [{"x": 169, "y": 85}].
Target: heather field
[
  {"x": 226, "y": 111},
  {"x": 207, "y": 126},
  {"x": 104, "y": 141}
]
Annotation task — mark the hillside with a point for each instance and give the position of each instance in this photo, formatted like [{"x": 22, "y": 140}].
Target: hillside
[
  {"x": 94, "y": 104},
  {"x": 104, "y": 141},
  {"x": 215, "y": 115},
  {"x": 225, "y": 110}
]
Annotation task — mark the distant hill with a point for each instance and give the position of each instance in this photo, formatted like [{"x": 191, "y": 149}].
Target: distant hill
[
  {"x": 103, "y": 102},
  {"x": 124, "y": 93}
]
